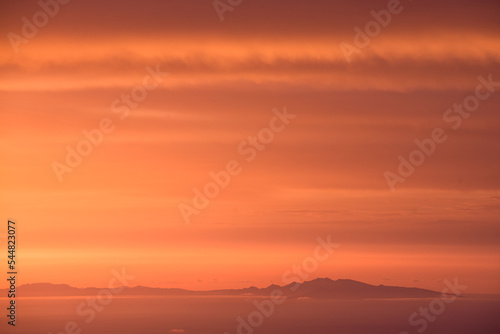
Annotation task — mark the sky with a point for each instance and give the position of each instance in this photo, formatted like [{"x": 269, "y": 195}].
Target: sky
[{"x": 219, "y": 83}]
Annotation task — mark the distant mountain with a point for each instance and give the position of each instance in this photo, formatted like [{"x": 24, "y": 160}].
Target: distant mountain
[
  {"x": 323, "y": 288},
  {"x": 346, "y": 288}
]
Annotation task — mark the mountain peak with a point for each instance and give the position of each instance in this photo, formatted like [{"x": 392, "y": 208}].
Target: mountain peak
[{"x": 322, "y": 279}]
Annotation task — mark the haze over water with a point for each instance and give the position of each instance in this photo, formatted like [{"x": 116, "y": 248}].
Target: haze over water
[{"x": 217, "y": 315}]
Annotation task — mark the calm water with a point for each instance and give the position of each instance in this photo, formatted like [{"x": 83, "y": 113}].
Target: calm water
[{"x": 207, "y": 315}]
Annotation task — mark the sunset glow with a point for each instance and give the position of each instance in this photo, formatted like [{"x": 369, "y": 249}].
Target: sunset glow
[{"x": 216, "y": 85}]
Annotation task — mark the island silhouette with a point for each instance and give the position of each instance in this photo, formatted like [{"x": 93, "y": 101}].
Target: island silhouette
[{"x": 319, "y": 288}]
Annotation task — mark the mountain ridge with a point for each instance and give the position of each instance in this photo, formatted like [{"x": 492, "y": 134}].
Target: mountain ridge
[{"x": 319, "y": 288}]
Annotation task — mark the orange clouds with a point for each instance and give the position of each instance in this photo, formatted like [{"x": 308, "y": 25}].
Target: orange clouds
[
  {"x": 323, "y": 175},
  {"x": 318, "y": 63}
]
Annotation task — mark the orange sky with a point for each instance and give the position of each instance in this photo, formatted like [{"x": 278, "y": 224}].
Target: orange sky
[{"x": 322, "y": 175}]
